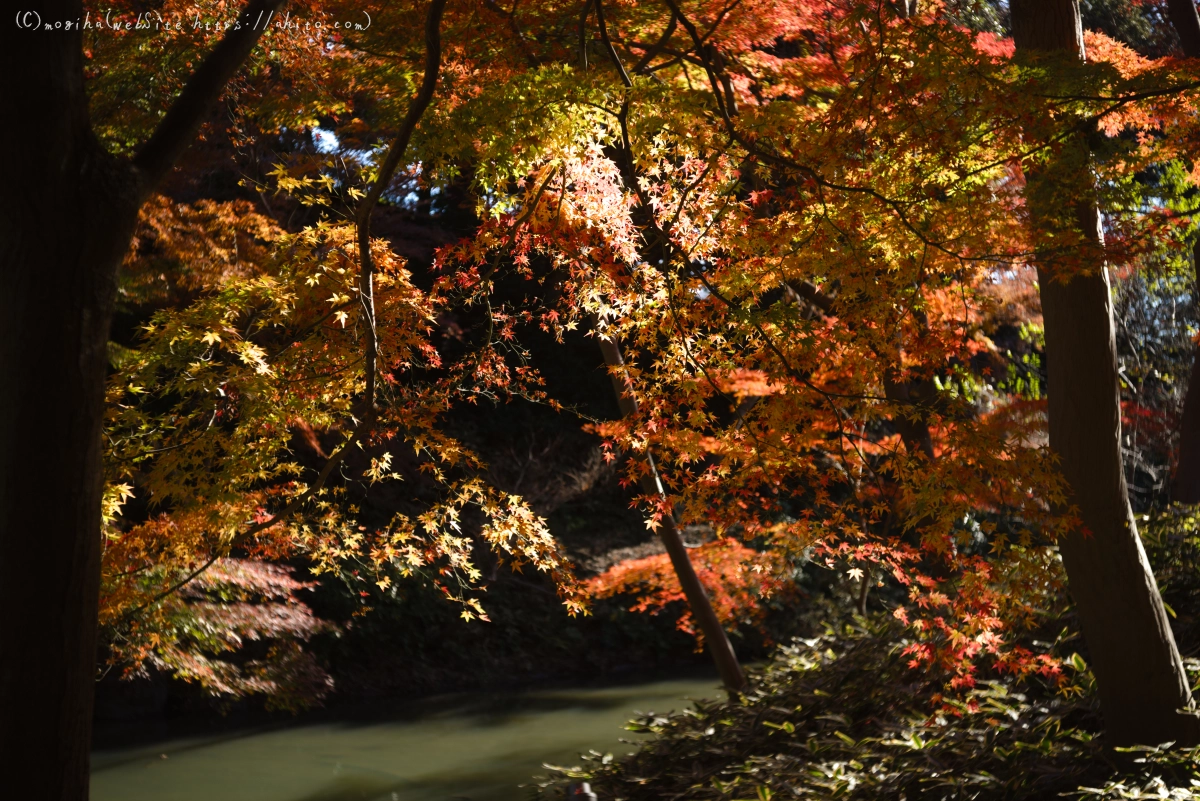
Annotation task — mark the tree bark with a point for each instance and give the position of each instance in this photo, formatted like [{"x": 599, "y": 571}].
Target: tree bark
[
  {"x": 715, "y": 638},
  {"x": 1140, "y": 676},
  {"x": 1187, "y": 25},
  {"x": 56, "y": 299},
  {"x": 1185, "y": 484},
  {"x": 67, "y": 212},
  {"x": 66, "y": 216}
]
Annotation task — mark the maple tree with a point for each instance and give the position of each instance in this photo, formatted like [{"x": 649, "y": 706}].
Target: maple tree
[
  {"x": 797, "y": 221},
  {"x": 710, "y": 618},
  {"x": 723, "y": 190}
]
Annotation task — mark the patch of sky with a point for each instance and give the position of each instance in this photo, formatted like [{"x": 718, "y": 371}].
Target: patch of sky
[
  {"x": 325, "y": 141},
  {"x": 404, "y": 194}
]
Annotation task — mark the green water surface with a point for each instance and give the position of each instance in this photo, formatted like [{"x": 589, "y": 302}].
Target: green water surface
[{"x": 477, "y": 747}]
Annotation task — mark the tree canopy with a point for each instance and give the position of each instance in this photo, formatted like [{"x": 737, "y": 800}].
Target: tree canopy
[{"x": 806, "y": 226}]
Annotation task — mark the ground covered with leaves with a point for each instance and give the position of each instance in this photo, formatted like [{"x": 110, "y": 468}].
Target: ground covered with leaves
[{"x": 842, "y": 715}]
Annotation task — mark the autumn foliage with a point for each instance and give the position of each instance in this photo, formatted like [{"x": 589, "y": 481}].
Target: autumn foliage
[
  {"x": 738, "y": 580},
  {"x": 801, "y": 221}
]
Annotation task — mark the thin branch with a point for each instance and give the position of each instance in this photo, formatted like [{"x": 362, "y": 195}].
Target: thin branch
[
  {"x": 177, "y": 129},
  {"x": 395, "y": 154},
  {"x": 583, "y": 18},
  {"x": 511, "y": 16},
  {"x": 533, "y": 204},
  {"x": 612, "y": 51},
  {"x": 654, "y": 49},
  {"x": 720, "y": 18}
]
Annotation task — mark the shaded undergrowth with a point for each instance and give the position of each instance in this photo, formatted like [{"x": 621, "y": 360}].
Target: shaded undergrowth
[{"x": 842, "y": 716}]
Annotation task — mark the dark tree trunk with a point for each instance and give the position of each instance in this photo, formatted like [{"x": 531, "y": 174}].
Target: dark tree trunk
[
  {"x": 914, "y": 431},
  {"x": 1185, "y": 484},
  {"x": 1137, "y": 666},
  {"x": 1187, "y": 25},
  {"x": 67, "y": 212},
  {"x": 58, "y": 263}
]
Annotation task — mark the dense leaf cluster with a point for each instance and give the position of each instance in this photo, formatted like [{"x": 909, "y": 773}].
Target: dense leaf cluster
[{"x": 805, "y": 224}]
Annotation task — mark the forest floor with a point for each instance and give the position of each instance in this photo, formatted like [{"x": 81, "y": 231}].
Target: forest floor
[{"x": 842, "y": 715}]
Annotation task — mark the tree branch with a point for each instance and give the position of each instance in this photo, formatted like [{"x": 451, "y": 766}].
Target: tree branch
[
  {"x": 654, "y": 49},
  {"x": 530, "y": 59},
  {"x": 583, "y": 18},
  {"x": 612, "y": 51},
  {"x": 395, "y": 154},
  {"x": 177, "y": 129}
]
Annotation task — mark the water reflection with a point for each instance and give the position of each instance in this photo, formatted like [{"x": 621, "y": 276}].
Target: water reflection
[{"x": 462, "y": 747}]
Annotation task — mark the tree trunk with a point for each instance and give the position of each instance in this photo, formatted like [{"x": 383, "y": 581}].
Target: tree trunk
[
  {"x": 67, "y": 211},
  {"x": 1187, "y": 25},
  {"x": 715, "y": 637},
  {"x": 1140, "y": 676},
  {"x": 56, "y": 292},
  {"x": 1185, "y": 484}
]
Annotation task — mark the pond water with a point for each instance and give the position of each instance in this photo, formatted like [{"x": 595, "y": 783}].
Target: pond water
[{"x": 476, "y": 747}]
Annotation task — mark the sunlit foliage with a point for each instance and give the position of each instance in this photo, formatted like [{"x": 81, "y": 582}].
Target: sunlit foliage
[{"x": 801, "y": 221}]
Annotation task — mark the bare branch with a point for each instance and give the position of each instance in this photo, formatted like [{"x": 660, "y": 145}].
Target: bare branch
[
  {"x": 583, "y": 18},
  {"x": 612, "y": 51}
]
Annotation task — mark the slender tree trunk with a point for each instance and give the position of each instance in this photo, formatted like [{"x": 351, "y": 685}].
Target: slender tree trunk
[
  {"x": 715, "y": 637},
  {"x": 1141, "y": 678},
  {"x": 659, "y": 244},
  {"x": 905, "y": 8}
]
